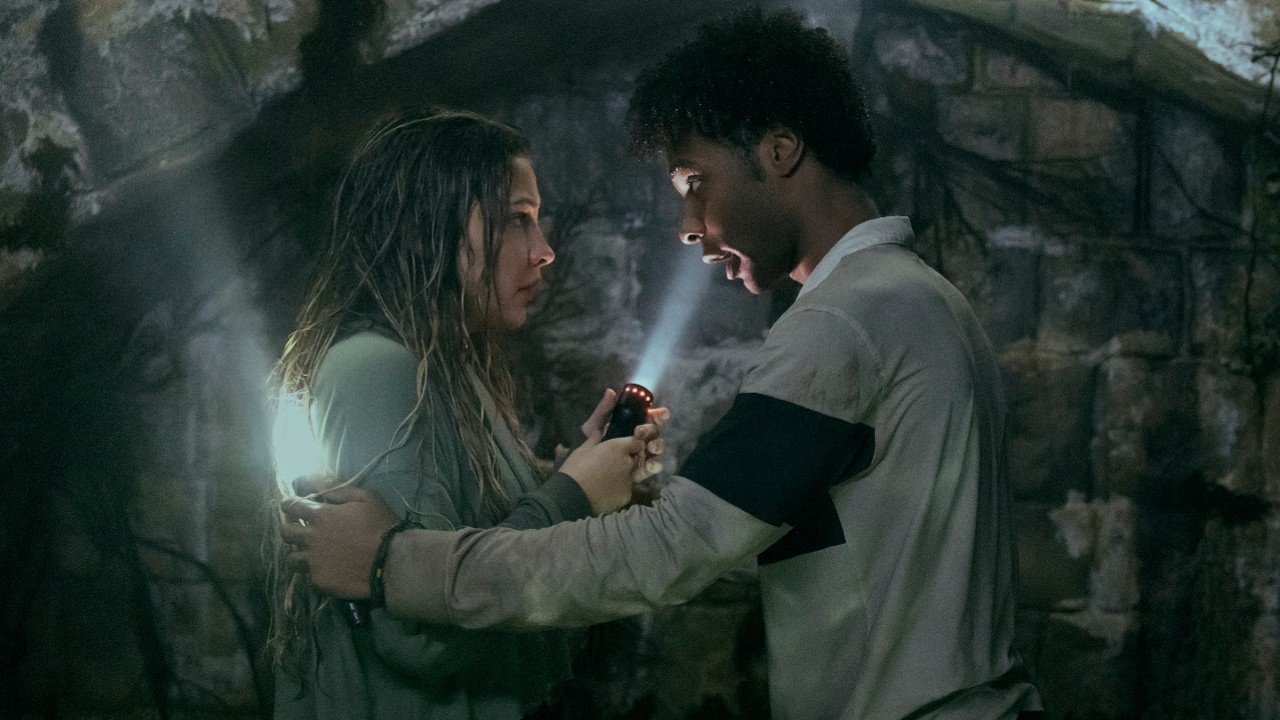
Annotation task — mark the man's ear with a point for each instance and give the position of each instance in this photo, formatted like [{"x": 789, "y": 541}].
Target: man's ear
[{"x": 781, "y": 151}]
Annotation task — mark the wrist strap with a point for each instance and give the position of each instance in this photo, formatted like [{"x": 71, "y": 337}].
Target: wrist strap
[{"x": 377, "y": 589}]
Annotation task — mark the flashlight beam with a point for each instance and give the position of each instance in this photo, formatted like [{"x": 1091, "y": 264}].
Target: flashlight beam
[{"x": 691, "y": 279}]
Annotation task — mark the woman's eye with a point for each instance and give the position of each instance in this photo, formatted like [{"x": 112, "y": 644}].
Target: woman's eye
[{"x": 695, "y": 182}]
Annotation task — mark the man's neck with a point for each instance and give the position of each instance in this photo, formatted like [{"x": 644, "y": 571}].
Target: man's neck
[{"x": 826, "y": 217}]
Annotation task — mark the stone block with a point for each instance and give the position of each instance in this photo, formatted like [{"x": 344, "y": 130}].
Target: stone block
[
  {"x": 986, "y": 202},
  {"x": 1065, "y": 129},
  {"x": 152, "y": 91},
  {"x": 1078, "y": 28},
  {"x": 1001, "y": 71},
  {"x": 1229, "y": 407},
  {"x": 923, "y": 54},
  {"x": 991, "y": 12},
  {"x": 1087, "y": 667},
  {"x": 1098, "y": 295},
  {"x": 841, "y": 19},
  {"x": 707, "y": 653},
  {"x": 1271, "y": 440},
  {"x": 1052, "y": 574},
  {"x": 91, "y": 648},
  {"x": 240, "y": 521},
  {"x": 698, "y": 387},
  {"x": 1000, "y": 283},
  {"x": 1196, "y": 185},
  {"x": 992, "y": 127},
  {"x": 1050, "y": 424},
  {"x": 1113, "y": 584},
  {"x": 204, "y": 641},
  {"x": 1220, "y": 288},
  {"x": 1083, "y": 173},
  {"x": 725, "y": 313},
  {"x": 1029, "y": 629},
  {"x": 1168, "y": 60},
  {"x": 1145, "y": 438},
  {"x": 404, "y": 24},
  {"x": 593, "y": 295},
  {"x": 893, "y": 180},
  {"x": 34, "y": 118},
  {"x": 26, "y": 375}
]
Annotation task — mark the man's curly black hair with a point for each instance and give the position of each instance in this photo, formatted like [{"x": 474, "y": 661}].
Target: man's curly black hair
[{"x": 747, "y": 73}]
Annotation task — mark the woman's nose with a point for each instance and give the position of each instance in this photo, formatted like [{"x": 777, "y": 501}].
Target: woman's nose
[{"x": 541, "y": 253}]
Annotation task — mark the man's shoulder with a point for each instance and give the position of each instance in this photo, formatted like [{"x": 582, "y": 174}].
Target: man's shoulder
[
  {"x": 890, "y": 292},
  {"x": 870, "y": 272}
]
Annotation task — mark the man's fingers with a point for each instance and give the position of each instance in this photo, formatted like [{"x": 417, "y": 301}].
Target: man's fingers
[
  {"x": 657, "y": 446},
  {"x": 312, "y": 484},
  {"x": 345, "y": 494},
  {"x": 648, "y": 468},
  {"x": 646, "y": 432},
  {"x": 299, "y": 508},
  {"x": 294, "y": 534},
  {"x": 633, "y": 445},
  {"x": 297, "y": 560},
  {"x": 658, "y": 415}
]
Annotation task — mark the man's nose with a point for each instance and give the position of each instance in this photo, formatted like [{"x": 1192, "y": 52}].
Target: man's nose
[{"x": 691, "y": 227}]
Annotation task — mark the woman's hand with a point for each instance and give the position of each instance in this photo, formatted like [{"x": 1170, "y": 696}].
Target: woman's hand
[
  {"x": 600, "y": 472},
  {"x": 595, "y": 426},
  {"x": 607, "y": 470}
]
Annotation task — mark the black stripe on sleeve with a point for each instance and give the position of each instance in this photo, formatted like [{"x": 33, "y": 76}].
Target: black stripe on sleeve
[{"x": 777, "y": 460}]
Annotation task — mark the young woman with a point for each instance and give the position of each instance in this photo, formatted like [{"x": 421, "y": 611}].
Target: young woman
[{"x": 436, "y": 252}]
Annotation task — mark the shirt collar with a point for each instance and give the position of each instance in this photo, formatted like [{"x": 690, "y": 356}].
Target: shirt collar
[{"x": 895, "y": 229}]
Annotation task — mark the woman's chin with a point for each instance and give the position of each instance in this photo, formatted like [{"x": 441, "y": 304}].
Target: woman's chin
[{"x": 515, "y": 319}]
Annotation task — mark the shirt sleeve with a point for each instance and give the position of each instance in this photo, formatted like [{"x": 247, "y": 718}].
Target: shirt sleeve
[
  {"x": 364, "y": 390},
  {"x": 763, "y": 470},
  {"x": 803, "y": 423}
]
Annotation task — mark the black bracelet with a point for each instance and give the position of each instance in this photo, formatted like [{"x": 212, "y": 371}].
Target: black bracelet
[{"x": 377, "y": 590}]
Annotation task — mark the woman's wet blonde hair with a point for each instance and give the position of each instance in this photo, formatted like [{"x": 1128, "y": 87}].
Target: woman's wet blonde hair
[{"x": 398, "y": 237}]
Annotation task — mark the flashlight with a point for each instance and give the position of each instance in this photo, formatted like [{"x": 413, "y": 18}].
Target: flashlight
[{"x": 630, "y": 411}]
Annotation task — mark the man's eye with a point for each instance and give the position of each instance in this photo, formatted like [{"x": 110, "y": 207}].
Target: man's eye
[{"x": 694, "y": 182}]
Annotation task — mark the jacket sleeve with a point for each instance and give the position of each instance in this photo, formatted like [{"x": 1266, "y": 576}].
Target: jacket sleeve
[
  {"x": 763, "y": 472},
  {"x": 364, "y": 390},
  {"x": 576, "y": 573}
]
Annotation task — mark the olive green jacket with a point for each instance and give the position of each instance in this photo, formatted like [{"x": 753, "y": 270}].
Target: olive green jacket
[{"x": 363, "y": 390}]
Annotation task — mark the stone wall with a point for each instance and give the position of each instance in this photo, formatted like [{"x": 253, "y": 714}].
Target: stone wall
[{"x": 1121, "y": 244}]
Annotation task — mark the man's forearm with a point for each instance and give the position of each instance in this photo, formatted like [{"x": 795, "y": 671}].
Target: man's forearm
[{"x": 575, "y": 573}]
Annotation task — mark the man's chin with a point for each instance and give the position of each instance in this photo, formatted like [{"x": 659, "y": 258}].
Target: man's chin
[{"x": 755, "y": 287}]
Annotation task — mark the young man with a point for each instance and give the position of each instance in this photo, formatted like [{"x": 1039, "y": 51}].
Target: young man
[{"x": 862, "y": 461}]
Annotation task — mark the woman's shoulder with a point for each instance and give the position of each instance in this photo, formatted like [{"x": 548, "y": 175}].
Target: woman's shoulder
[
  {"x": 367, "y": 350},
  {"x": 367, "y": 360}
]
